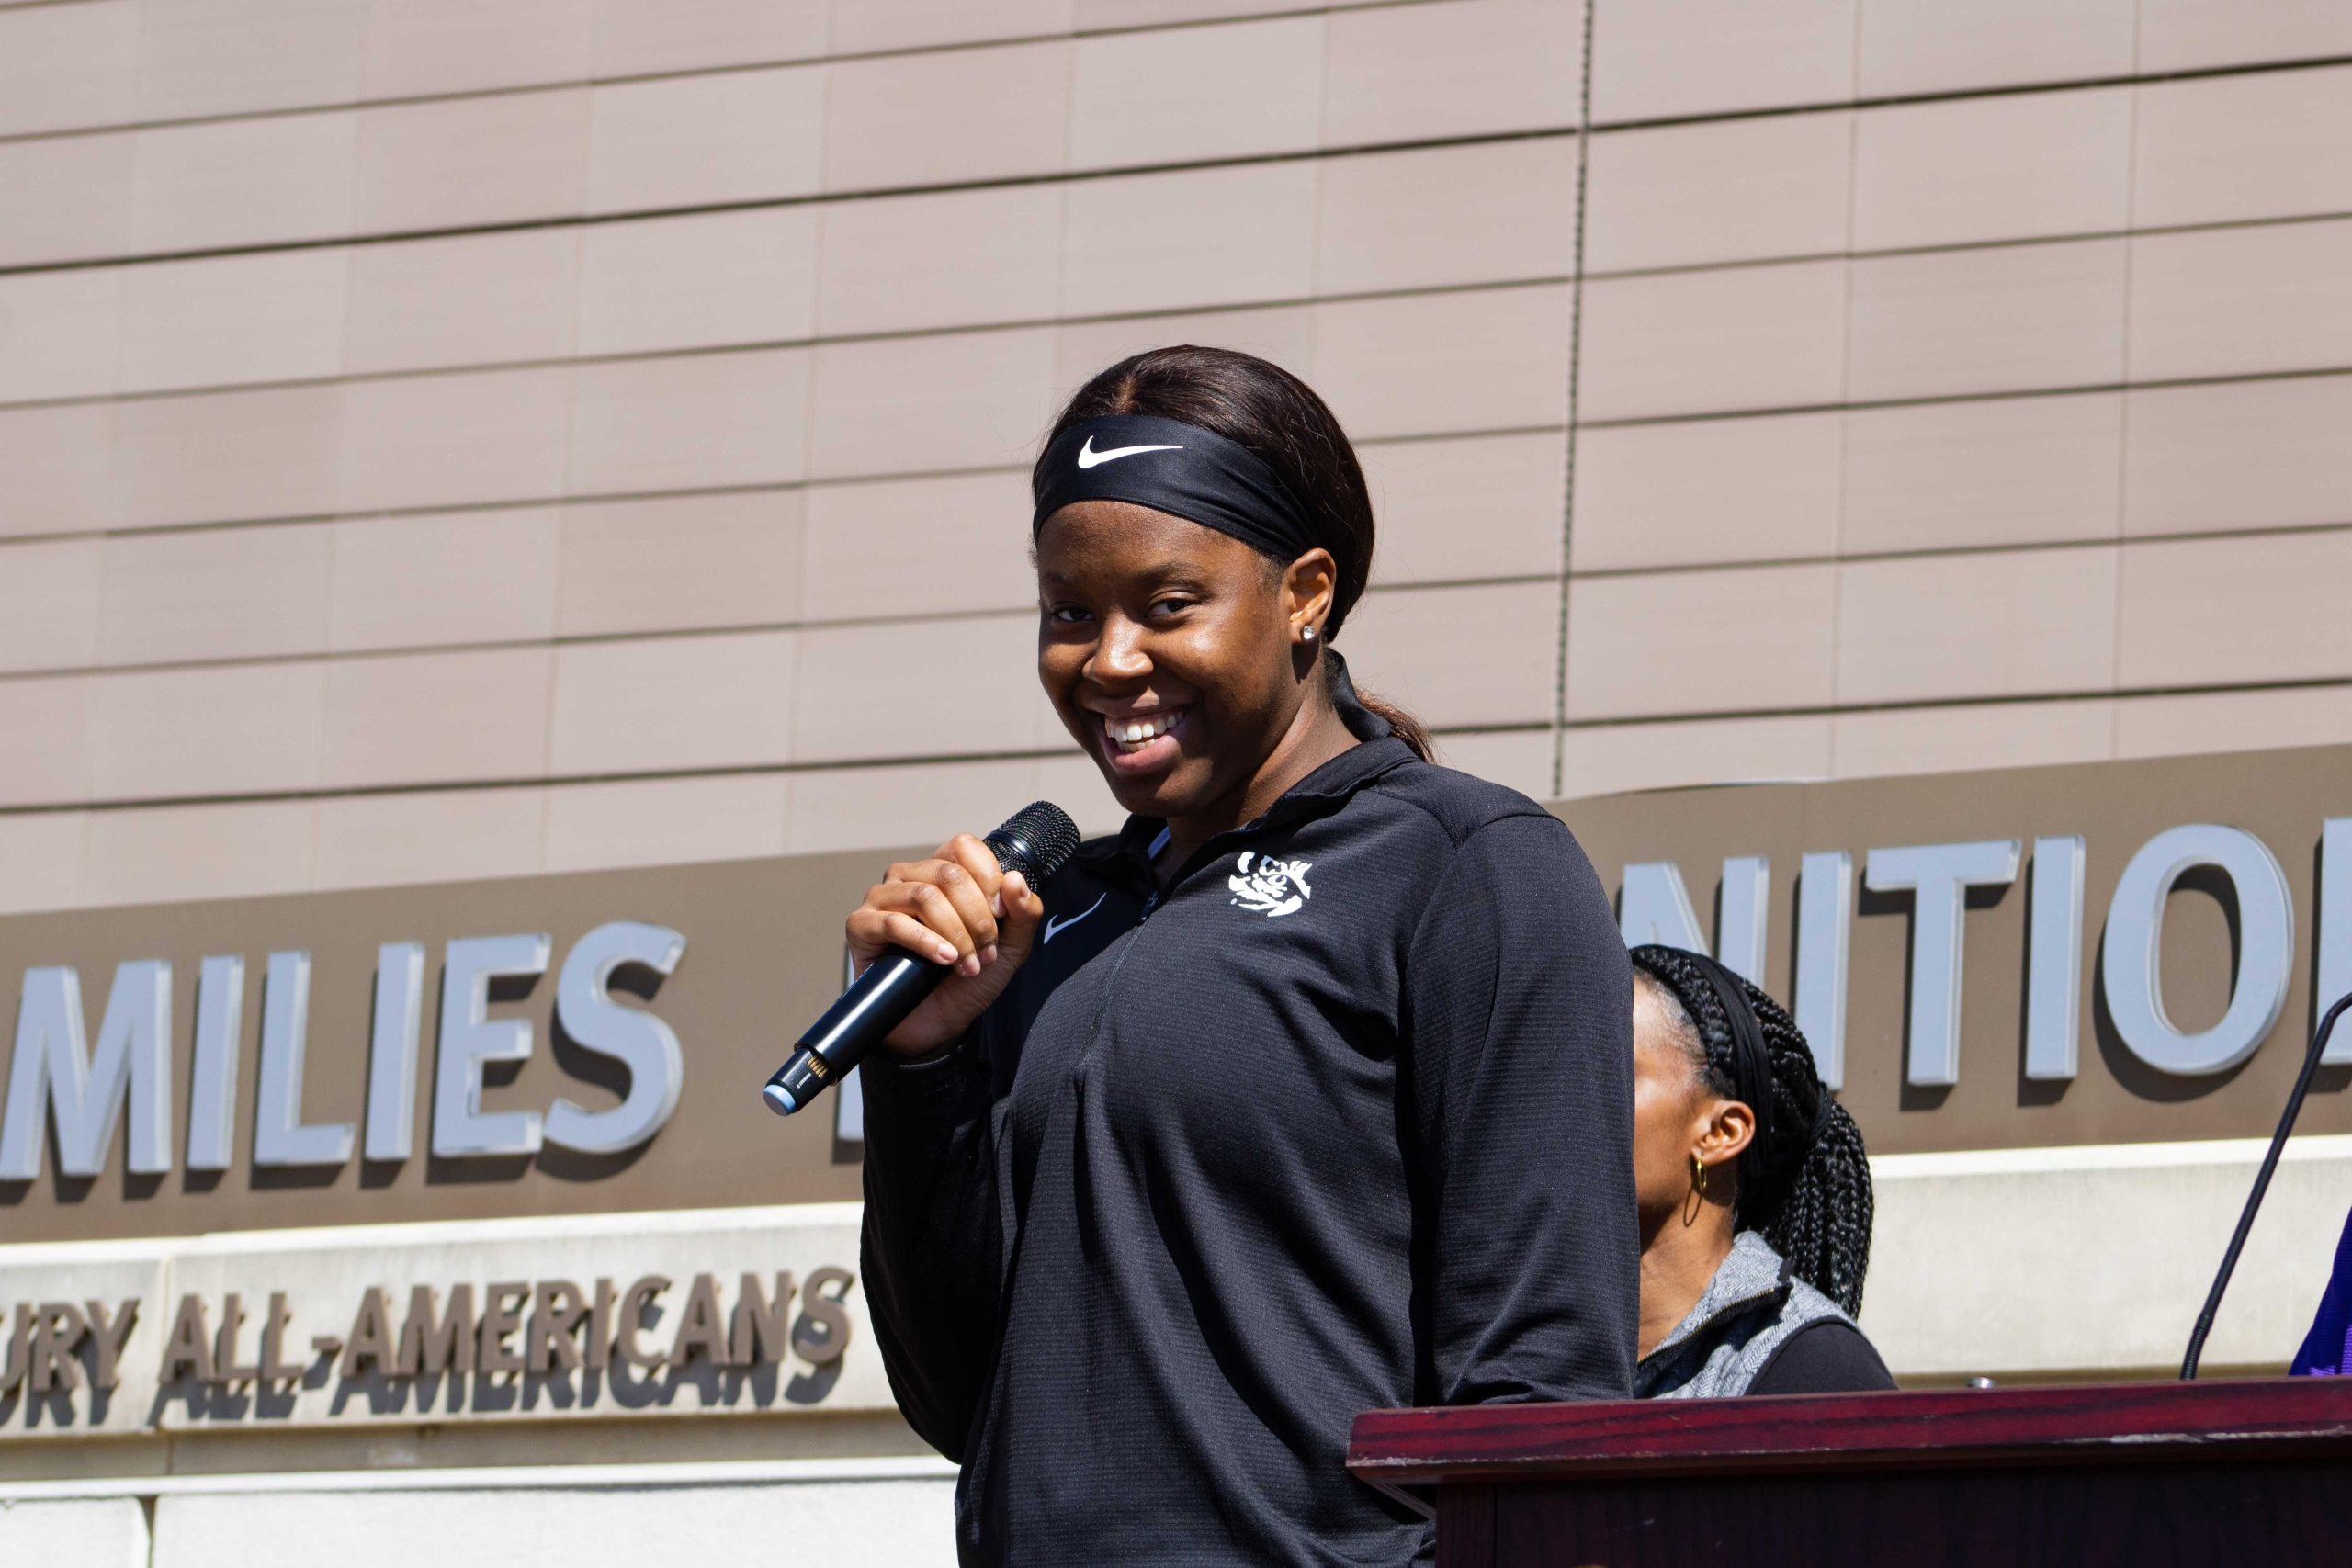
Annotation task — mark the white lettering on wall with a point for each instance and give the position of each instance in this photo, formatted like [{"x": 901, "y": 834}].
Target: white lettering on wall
[
  {"x": 2132, "y": 956},
  {"x": 1655, "y": 906},
  {"x": 56, "y": 1076},
  {"x": 54, "y": 1071}
]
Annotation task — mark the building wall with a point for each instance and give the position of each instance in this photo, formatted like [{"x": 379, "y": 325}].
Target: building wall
[
  {"x": 456, "y": 438},
  {"x": 449, "y": 439}
]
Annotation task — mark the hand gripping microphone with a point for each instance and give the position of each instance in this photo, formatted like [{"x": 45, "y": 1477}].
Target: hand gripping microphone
[{"x": 1036, "y": 841}]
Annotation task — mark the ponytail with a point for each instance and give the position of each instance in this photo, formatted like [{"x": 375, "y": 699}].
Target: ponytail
[
  {"x": 1403, "y": 725},
  {"x": 1823, "y": 1226}
]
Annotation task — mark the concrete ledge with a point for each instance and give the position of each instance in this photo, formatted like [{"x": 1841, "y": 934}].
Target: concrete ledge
[
  {"x": 92, "y": 1534},
  {"x": 494, "y": 1478},
  {"x": 2093, "y": 1260},
  {"x": 874, "y": 1524}
]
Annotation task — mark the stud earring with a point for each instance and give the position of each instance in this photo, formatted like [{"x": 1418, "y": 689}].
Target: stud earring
[{"x": 1306, "y": 633}]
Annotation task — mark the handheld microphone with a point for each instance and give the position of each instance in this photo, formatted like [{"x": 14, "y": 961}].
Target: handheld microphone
[
  {"x": 2261, "y": 1185},
  {"x": 1036, "y": 841}
]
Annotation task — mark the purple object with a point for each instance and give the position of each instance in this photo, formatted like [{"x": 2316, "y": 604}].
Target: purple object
[{"x": 2327, "y": 1349}]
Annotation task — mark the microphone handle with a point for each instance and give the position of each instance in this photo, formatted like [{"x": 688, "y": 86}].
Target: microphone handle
[
  {"x": 1036, "y": 841},
  {"x": 2261, "y": 1185},
  {"x": 893, "y": 986}
]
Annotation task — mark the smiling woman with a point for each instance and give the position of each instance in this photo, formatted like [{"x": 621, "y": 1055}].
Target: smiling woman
[
  {"x": 1281, "y": 551},
  {"x": 1308, "y": 1092}
]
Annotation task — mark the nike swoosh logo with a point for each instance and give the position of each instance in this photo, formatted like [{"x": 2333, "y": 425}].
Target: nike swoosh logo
[
  {"x": 1052, "y": 925},
  {"x": 1089, "y": 458}
]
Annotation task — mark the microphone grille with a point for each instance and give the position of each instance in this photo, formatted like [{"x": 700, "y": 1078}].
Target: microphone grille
[{"x": 1036, "y": 840}]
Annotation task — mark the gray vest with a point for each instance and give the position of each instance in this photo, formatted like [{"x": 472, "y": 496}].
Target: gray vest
[{"x": 1748, "y": 1311}]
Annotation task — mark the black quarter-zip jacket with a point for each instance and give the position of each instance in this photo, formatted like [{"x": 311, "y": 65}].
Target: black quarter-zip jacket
[{"x": 1342, "y": 1120}]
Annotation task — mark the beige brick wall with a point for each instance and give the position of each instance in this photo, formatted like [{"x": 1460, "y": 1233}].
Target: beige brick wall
[{"x": 444, "y": 438}]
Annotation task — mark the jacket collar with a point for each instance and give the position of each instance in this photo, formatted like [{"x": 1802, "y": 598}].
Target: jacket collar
[{"x": 1749, "y": 1275}]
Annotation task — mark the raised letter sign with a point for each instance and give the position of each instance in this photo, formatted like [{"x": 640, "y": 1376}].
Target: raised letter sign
[
  {"x": 1825, "y": 906},
  {"x": 2132, "y": 953},
  {"x": 631, "y": 1036},
  {"x": 391, "y": 1050},
  {"x": 281, "y": 1136},
  {"x": 471, "y": 1037},
  {"x": 53, "y": 1070},
  {"x": 2053, "y": 972},
  {"x": 1654, "y": 906},
  {"x": 1938, "y": 877},
  {"x": 212, "y": 1081},
  {"x": 1739, "y": 924}
]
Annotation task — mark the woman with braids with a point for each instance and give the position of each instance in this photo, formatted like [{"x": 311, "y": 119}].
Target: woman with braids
[
  {"x": 1754, "y": 1192},
  {"x": 1308, "y": 1092}
]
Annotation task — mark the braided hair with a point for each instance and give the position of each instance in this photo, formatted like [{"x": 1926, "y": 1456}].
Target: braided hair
[{"x": 1809, "y": 1190}]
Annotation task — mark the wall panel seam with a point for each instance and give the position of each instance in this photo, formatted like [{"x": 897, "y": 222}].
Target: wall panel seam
[
  {"x": 1963, "y": 550},
  {"x": 1531, "y": 727},
  {"x": 1934, "y": 400},
  {"x": 1571, "y": 278},
  {"x": 329, "y": 656},
  {"x": 682, "y": 493},
  {"x": 2118, "y": 693},
  {"x": 1042, "y": 176},
  {"x": 1568, "y": 437},
  {"x": 681, "y": 73},
  {"x": 1602, "y": 128},
  {"x": 554, "y": 780},
  {"x": 2123, "y": 414},
  {"x": 803, "y": 198},
  {"x": 792, "y": 345},
  {"x": 1697, "y": 416}
]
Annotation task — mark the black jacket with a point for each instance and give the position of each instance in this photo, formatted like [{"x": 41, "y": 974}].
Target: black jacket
[{"x": 1344, "y": 1121}]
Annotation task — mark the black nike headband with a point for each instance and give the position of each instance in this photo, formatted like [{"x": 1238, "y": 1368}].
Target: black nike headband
[
  {"x": 1768, "y": 1163},
  {"x": 1175, "y": 467},
  {"x": 1751, "y": 1067}
]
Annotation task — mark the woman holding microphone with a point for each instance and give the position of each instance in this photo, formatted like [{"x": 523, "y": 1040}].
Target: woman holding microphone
[{"x": 1308, "y": 1092}]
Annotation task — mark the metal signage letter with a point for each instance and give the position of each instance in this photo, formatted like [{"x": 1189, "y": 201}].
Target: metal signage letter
[
  {"x": 212, "y": 1080},
  {"x": 1824, "y": 923},
  {"x": 469, "y": 1037},
  {"x": 639, "y": 1041},
  {"x": 1938, "y": 877},
  {"x": 391, "y": 1050},
  {"x": 2054, "y": 960},
  {"x": 1654, "y": 906},
  {"x": 281, "y": 1136},
  {"x": 2133, "y": 953},
  {"x": 55, "y": 1070}
]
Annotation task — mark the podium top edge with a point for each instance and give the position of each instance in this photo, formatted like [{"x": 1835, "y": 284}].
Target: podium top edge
[{"x": 2075, "y": 1423}]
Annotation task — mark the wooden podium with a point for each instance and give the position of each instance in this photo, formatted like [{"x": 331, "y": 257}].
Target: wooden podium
[{"x": 2250, "y": 1474}]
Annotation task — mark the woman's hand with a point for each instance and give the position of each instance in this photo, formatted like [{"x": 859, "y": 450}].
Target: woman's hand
[{"x": 956, "y": 908}]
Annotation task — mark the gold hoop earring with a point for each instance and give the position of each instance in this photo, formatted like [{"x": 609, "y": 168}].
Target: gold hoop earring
[{"x": 1697, "y": 1174}]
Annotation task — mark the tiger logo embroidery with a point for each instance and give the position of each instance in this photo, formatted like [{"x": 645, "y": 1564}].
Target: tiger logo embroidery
[{"x": 1268, "y": 886}]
